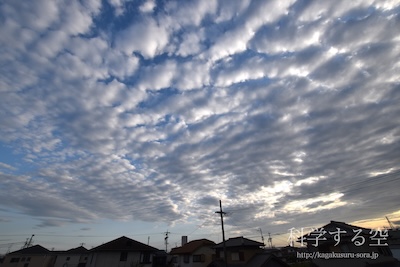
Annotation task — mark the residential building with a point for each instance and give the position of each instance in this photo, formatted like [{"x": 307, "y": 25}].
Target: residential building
[
  {"x": 341, "y": 239},
  {"x": 239, "y": 250},
  {"x": 122, "y": 252},
  {"x": 394, "y": 242},
  {"x": 34, "y": 256},
  {"x": 196, "y": 253},
  {"x": 76, "y": 257},
  {"x": 243, "y": 252}
]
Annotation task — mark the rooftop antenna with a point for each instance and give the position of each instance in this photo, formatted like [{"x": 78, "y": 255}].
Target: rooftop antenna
[
  {"x": 262, "y": 237},
  {"x": 270, "y": 240},
  {"x": 28, "y": 242}
]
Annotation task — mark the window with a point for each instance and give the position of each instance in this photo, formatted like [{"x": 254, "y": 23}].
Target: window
[
  {"x": 123, "y": 256},
  {"x": 186, "y": 258},
  {"x": 26, "y": 264},
  {"x": 199, "y": 258},
  {"x": 145, "y": 258},
  {"x": 28, "y": 259},
  {"x": 68, "y": 258},
  {"x": 237, "y": 256},
  {"x": 23, "y": 259},
  {"x": 14, "y": 260},
  {"x": 220, "y": 254}
]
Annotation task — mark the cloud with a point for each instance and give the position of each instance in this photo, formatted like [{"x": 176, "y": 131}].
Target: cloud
[
  {"x": 286, "y": 111},
  {"x": 6, "y": 166},
  {"x": 146, "y": 37},
  {"x": 147, "y": 6}
]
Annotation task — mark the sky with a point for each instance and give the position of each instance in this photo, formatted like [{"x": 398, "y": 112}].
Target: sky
[{"x": 132, "y": 117}]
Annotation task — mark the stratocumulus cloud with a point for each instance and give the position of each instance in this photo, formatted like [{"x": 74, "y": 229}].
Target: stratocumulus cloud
[{"x": 154, "y": 111}]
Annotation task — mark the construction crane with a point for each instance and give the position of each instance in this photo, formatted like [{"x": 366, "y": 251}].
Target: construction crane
[{"x": 390, "y": 223}]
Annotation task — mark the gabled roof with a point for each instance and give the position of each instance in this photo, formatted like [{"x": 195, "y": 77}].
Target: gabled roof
[
  {"x": 239, "y": 242},
  {"x": 192, "y": 246},
  {"x": 36, "y": 249},
  {"x": 78, "y": 250},
  {"x": 124, "y": 244},
  {"x": 333, "y": 227}
]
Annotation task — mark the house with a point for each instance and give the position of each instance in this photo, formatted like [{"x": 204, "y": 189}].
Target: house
[
  {"x": 394, "y": 242},
  {"x": 341, "y": 243},
  {"x": 35, "y": 256},
  {"x": 196, "y": 253},
  {"x": 122, "y": 252},
  {"x": 239, "y": 250},
  {"x": 76, "y": 257},
  {"x": 243, "y": 252}
]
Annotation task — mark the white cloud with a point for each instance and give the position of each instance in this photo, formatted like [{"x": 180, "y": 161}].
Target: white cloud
[
  {"x": 158, "y": 77},
  {"x": 6, "y": 166},
  {"x": 146, "y": 37},
  {"x": 118, "y": 6},
  {"x": 191, "y": 43},
  {"x": 236, "y": 40},
  {"x": 192, "y": 74},
  {"x": 148, "y": 6},
  {"x": 190, "y": 13}
]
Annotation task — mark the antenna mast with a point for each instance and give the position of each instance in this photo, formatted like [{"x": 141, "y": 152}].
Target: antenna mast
[
  {"x": 262, "y": 237},
  {"x": 270, "y": 240},
  {"x": 28, "y": 242}
]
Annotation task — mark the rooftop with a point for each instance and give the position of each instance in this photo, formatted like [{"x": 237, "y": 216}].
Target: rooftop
[
  {"x": 124, "y": 243},
  {"x": 192, "y": 246}
]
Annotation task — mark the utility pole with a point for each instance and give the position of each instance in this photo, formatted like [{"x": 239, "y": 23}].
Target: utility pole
[
  {"x": 220, "y": 212},
  {"x": 166, "y": 240}
]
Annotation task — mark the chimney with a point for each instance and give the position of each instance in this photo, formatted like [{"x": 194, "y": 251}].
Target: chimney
[{"x": 184, "y": 240}]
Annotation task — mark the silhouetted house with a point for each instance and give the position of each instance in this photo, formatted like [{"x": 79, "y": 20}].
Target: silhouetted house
[
  {"x": 288, "y": 254},
  {"x": 239, "y": 252},
  {"x": 238, "y": 249},
  {"x": 162, "y": 259},
  {"x": 394, "y": 242},
  {"x": 76, "y": 257},
  {"x": 243, "y": 252},
  {"x": 122, "y": 252},
  {"x": 35, "y": 256},
  {"x": 338, "y": 239},
  {"x": 196, "y": 253}
]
